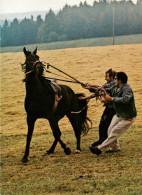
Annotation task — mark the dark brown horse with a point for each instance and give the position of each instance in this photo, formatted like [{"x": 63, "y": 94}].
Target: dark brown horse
[{"x": 39, "y": 102}]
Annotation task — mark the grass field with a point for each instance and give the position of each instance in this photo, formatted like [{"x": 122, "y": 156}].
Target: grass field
[
  {"x": 85, "y": 173},
  {"x": 103, "y": 41}
]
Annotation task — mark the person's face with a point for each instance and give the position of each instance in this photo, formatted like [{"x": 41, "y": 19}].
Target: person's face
[
  {"x": 107, "y": 77},
  {"x": 117, "y": 82}
]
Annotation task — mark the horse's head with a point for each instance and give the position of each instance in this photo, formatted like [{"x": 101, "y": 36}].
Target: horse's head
[{"x": 32, "y": 63}]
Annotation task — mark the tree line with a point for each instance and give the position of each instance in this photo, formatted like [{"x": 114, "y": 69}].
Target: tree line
[{"x": 75, "y": 22}]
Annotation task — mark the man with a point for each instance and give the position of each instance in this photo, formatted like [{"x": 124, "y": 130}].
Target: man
[
  {"x": 124, "y": 105},
  {"x": 108, "y": 111}
]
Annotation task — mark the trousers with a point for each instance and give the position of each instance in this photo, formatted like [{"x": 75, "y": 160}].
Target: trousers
[
  {"x": 117, "y": 127},
  {"x": 104, "y": 123}
]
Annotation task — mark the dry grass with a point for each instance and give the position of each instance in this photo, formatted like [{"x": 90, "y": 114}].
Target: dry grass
[{"x": 75, "y": 174}]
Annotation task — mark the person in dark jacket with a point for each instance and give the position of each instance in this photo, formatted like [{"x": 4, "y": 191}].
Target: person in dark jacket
[
  {"x": 108, "y": 111},
  {"x": 124, "y": 105}
]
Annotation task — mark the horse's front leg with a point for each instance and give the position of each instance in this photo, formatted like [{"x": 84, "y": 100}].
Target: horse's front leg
[{"x": 30, "y": 123}]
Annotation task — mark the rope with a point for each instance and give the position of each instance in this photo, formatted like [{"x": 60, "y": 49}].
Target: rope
[
  {"x": 29, "y": 72},
  {"x": 61, "y": 80},
  {"x": 78, "y": 112},
  {"x": 56, "y": 74},
  {"x": 64, "y": 73}
]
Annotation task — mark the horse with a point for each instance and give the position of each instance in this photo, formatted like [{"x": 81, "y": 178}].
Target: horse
[{"x": 39, "y": 103}]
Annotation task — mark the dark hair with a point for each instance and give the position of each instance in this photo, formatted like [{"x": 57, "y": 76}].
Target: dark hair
[
  {"x": 111, "y": 73},
  {"x": 122, "y": 76}
]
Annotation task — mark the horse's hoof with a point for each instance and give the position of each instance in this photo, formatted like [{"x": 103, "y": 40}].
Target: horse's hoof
[
  {"x": 49, "y": 152},
  {"x": 24, "y": 160},
  {"x": 67, "y": 151},
  {"x": 78, "y": 152}
]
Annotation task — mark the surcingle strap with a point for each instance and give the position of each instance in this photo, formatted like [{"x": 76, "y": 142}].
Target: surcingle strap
[{"x": 57, "y": 99}]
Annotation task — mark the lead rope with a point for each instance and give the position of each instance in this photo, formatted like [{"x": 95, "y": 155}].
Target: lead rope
[
  {"x": 98, "y": 96},
  {"x": 75, "y": 81},
  {"x": 64, "y": 73},
  {"x": 61, "y": 80},
  {"x": 56, "y": 74}
]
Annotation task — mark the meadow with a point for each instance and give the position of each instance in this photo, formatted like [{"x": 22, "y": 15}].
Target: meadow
[
  {"x": 92, "y": 42},
  {"x": 85, "y": 173}
]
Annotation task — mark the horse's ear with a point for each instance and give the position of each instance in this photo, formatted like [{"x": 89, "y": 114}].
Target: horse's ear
[
  {"x": 25, "y": 51},
  {"x": 35, "y": 51}
]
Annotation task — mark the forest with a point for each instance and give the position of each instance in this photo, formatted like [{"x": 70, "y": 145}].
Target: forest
[{"x": 75, "y": 22}]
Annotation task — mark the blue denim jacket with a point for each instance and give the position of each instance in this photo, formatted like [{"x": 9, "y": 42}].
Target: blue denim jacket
[{"x": 123, "y": 101}]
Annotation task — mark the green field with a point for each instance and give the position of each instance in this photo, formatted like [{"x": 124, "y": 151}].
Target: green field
[
  {"x": 77, "y": 174},
  {"x": 128, "y": 39},
  {"x": 109, "y": 174}
]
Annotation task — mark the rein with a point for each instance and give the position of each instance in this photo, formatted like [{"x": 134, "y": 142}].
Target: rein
[
  {"x": 71, "y": 81},
  {"x": 97, "y": 91},
  {"x": 29, "y": 72},
  {"x": 58, "y": 75},
  {"x": 61, "y": 80},
  {"x": 75, "y": 80}
]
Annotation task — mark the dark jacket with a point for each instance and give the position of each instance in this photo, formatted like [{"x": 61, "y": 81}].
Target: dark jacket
[
  {"x": 109, "y": 85},
  {"x": 123, "y": 101}
]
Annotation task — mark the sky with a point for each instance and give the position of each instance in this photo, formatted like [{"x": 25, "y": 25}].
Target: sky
[{"x": 21, "y": 6}]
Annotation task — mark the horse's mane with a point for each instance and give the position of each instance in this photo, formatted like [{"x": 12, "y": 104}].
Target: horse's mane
[
  {"x": 26, "y": 67},
  {"x": 23, "y": 66}
]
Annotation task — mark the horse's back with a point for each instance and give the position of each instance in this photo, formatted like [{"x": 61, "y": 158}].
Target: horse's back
[{"x": 69, "y": 99}]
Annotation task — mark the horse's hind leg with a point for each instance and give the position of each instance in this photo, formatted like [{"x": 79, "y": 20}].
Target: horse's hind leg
[
  {"x": 57, "y": 135},
  {"x": 51, "y": 150},
  {"x": 77, "y": 129},
  {"x": 30, "y": 123}
]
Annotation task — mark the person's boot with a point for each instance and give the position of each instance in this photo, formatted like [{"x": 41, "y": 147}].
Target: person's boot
[
  {"x": 96, "y": 151},
  {"x": 95, "y": 144}
]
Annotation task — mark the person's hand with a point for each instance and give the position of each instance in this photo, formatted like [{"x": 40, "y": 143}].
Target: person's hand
[
  {"x": 81, "y": 98},
  {"x": 85, "y": 86},
  {"x": 103, "y": 101},
  {"x": 102, "y": 91},
  {"x": 101, "y": 87},
  {"x": 93, "y": 95},
  {"x": 108, "y": 98}
]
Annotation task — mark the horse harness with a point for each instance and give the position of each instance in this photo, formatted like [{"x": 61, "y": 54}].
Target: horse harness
[{"x": 98, "y": 92}]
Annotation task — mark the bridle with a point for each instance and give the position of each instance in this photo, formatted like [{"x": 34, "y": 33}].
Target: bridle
[{"x": 33, "y": 65}]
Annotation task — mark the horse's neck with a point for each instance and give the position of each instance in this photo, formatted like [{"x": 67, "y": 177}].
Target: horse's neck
[
  {"x": 35, "y": 84},
  {"x": 38, "y": 97}
]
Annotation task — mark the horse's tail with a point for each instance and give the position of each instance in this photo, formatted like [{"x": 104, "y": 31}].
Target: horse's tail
[{"x": 84, "y": 121}]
